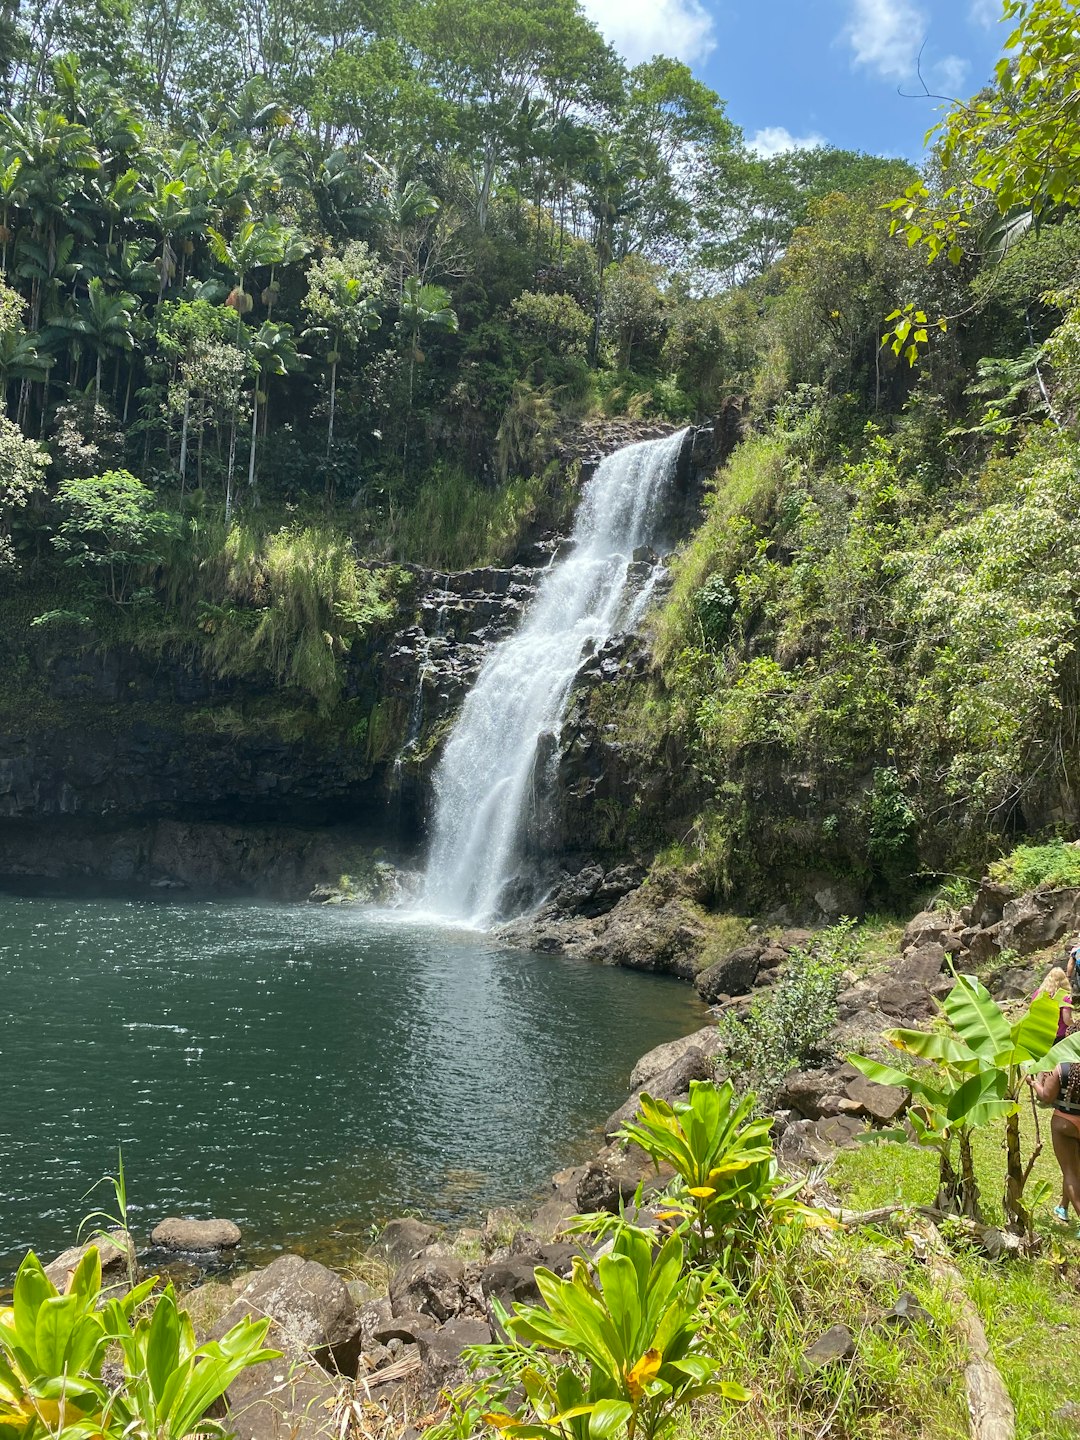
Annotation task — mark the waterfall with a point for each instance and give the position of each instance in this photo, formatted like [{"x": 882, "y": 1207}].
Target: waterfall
[{"x": 485, "y": 777}]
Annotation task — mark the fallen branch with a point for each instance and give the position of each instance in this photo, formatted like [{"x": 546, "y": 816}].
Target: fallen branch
[{"x": 989, "y": 1408}]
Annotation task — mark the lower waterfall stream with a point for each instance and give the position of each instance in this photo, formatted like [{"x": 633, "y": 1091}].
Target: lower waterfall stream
[{"x": 485, "y": 779}]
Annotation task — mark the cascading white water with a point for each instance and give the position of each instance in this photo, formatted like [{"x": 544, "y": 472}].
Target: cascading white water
[{"x": 521, "y": 694}]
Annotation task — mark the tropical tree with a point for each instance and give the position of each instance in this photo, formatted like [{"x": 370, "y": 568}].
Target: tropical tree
[
  {"x": 984, "y": 1062},
  {"x": 422, "y": 307},
  {"x": 272, "y": 352},
  {"x": 104, "y": 322},
  {"x": 344, "y": 295}
]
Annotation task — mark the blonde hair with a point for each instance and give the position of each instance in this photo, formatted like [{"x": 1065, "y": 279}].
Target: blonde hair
[{"x": 1055, "y": 982}]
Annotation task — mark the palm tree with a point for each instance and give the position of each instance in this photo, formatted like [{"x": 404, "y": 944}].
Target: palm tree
[
  {"x": 253, "y": 244},
  {"x": 20, "y": 359},
  {"x": 55, "y": 157},
  {"x": 169, "y": 209},
  {"x": 102, "y": 321},
  {"x": 272, "y": 352},
  {"x": 423, "y": 307}
]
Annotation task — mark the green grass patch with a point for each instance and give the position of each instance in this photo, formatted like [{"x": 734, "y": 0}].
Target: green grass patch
[
  {"x": 899, "y": 1383},
  {"x": 1030, "y": 866},
  {"x": 1029, "y": 1305},
  {"x": 456, "y": 522}
]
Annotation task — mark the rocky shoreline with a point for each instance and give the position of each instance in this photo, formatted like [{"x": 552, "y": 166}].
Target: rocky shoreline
[{"x": 391, "y": 1331}]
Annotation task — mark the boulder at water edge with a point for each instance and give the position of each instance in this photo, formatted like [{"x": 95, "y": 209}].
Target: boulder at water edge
[{"x": 195, "y": 1235}]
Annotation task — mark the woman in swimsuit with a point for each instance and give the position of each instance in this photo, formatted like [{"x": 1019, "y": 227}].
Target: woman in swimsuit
[{"x": 1060, "y": 1088}]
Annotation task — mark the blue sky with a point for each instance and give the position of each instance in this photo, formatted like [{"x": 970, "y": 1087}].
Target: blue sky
[{"x": 818, "y": 70}]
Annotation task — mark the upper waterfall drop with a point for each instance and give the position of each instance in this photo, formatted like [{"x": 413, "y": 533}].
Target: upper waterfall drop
[{"x": 483, "y": 781}]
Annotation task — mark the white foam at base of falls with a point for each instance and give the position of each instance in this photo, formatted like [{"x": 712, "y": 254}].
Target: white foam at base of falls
[{"x": 485, "y": 776}]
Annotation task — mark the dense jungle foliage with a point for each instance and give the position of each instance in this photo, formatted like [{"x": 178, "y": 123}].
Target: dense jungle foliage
[{"x": 289, "y": 290}]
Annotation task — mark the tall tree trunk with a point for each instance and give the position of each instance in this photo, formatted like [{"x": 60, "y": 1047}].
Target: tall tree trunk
[
  {"x": 183, "y": 441},
  {"x": 333, "y": 402},
  {"x": 97, "y": 385},
  {"x": 229, "y": 470},
  {"x": 254, "y": 435}
]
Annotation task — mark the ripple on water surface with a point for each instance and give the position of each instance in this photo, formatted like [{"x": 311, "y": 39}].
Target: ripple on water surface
[{"x": 302, "y": 1070}]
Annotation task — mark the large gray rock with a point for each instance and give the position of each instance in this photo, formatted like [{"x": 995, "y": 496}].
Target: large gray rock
[
  {"x": 928, "y": 927},
  {"x": 195, "y": 1235},
  {"x": 1034, "y": 921},
  {"x": 803, "y": 1091},
  {"x": 432, "y": 1285},
  {"x": 880, "y": 1102},
  {"x": 733, "y": 975},
  {"x": 313, "y": 1315},
  {"x": 921, "y": 965},
  {"x": 989, "y": 904},
  {"x": 117, "y": 1253},
  {"x": 402, "y": 1240},
  {"x": 671, "y": 1085},
  {"x": 510, "y": 1282},
  {"x": 656, "y": 1061},
  {"x": 289, "y": 1402},
  {"x": 441, "y": 1351}
]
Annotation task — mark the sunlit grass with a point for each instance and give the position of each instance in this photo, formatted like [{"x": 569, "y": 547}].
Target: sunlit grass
[{"x": 1029, "y": 1306}]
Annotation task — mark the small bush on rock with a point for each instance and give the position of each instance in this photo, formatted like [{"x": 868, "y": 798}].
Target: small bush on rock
[{"x": 789, "y": 1024}]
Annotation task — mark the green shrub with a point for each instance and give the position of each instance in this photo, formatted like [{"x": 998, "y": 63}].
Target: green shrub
[
  {"x": 788, "y": 1025},
  {"x": 110, "y": 524},
  {"x": 1030, "y": 866}
]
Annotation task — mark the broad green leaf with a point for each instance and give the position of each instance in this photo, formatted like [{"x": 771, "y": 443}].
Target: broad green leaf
[{"x": 976, "y": 1018}]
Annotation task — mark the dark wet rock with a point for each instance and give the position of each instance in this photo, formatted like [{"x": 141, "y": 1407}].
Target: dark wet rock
[
  {"x": 733, "y": 975},
  {"x": 432, "y": 1285},
  {"x": 402, "y": 1240},
  {"x": 194, "y": 1235}
]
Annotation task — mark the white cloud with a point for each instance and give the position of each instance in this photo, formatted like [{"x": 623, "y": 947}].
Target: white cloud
[
  {"x": 640, "y": 29},
  {"x": 778, "y": 140},
  {"x": 948, "y": 75},
  {"x": 985, "y": 12},
  {"x": 885, "y": 36}
]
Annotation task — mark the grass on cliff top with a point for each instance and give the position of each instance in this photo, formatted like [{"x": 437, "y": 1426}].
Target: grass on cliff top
[
  {"x": 1029, "y": 1307},
  {"x": 1029, "y": 866}
]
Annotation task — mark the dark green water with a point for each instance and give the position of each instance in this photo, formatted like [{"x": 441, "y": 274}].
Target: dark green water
[{"x": 301, "y": 1070}]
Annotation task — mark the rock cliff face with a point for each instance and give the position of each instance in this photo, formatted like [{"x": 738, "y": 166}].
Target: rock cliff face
[{"x": 138, "y": 768}]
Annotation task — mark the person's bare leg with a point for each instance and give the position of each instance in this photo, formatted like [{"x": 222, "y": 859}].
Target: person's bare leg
[{"x": 1066, "y": 1141}]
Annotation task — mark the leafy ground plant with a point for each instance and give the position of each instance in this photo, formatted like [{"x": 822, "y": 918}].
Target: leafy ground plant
[
  {"x": 627, "y": 1342},
  {"x": 53, "y": 1348},
  {"x": 726, "y": 1183}
]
